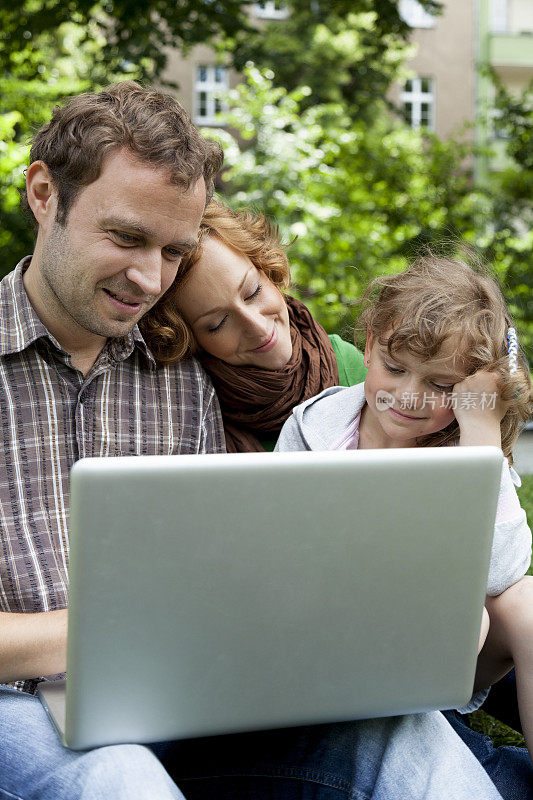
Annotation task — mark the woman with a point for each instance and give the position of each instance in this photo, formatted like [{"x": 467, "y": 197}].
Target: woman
[{"x": 263, "y": 350}]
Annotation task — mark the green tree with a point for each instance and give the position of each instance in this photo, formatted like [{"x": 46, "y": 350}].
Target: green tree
[
  {"x": 48, "y": 68},
  {"x": 360, "y": 198},
  {"x": 127, "y": 33},
  {"x": 57, "y": 48},
  {"x": 510, "y": 237},
  {"x": 351, "y": 42},
  {"x": 347, "y": 51},
  {"x": 50, "y": 50},
  {"x": 321, "y": 152}
]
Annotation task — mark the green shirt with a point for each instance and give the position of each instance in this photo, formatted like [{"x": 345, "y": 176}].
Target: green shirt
[{"x": 350, "y": 361}]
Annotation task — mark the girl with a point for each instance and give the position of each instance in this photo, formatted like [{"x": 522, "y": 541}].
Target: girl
[{"x": 439, "y": 374}]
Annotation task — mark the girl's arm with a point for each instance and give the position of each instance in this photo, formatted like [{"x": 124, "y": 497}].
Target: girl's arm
[
  {"x": 479, "y": 413},
  {"x": 480, "y": 409}
]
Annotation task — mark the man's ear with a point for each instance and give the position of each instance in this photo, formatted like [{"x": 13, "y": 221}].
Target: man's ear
[{"x": 40, "y": 192}]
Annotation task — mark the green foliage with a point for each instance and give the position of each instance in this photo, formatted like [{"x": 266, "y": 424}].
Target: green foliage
[
  {"x": 57, "y": 48},
  {"x": 50, "y": 67},
  {"x": 350, "y": 39},
  {"x": 499, "y": 733},
  {"x": 512, "y": 190},
  {"x": 347, "y": 51},
  {"x": 124, "y": 34},
  {"x": 360, "y": 196},
  {"x": 13, "y": 228},
  {"x": 515, "y": 123},
  {"x": 320, "y": 154}
]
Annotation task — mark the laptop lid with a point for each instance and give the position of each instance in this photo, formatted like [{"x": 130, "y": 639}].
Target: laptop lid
[{"x": 221, "y": 593}]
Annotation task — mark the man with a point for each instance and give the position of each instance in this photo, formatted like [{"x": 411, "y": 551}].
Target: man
[{"x": 117, "y": 184}]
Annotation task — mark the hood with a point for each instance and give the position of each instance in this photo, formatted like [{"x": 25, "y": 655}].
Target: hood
[{"x": 320, "y": 422}]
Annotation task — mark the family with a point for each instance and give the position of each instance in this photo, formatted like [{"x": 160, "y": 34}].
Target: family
[{"x": 151, "y": 319}]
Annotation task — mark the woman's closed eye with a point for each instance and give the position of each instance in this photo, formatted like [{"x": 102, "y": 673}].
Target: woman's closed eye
[
  {"x": 216, "y": 328},
  {"x": 254, "y": 293}
]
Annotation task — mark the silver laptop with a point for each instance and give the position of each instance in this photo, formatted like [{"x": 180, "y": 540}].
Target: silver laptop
[{"x": 220, "y": 593}]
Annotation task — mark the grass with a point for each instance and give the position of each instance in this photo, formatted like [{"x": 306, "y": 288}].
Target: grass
[{"x": 499, "y": 733}]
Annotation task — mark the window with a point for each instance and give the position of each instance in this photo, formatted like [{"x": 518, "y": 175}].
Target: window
[
  {"x": 498, "y": 16},
  {"x": 271, "y": 9},
  {"x": 417, "y": 100},
  {"x": 417, "y": 17},
  {"x": 211, "y": 83}
]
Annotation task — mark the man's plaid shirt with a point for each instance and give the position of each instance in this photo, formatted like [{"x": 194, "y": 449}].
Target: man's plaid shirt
[{"x": 52, "y": 415}]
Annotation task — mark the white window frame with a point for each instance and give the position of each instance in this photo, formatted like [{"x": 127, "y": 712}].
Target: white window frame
[
  {"x": 213, "y": 89},
  {"x": 417, "y": 97},
  {"x": 271, "y": 9},
  {"x": 417, "y": 17},
  {"x": 499, "y": 16}
]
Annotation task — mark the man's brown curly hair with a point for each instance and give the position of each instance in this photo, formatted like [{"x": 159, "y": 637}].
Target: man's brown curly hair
[{"x": 151, "y": 125}]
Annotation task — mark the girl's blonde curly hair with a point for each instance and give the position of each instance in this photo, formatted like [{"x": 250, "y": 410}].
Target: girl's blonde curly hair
[{"x": 440, "y": 298}]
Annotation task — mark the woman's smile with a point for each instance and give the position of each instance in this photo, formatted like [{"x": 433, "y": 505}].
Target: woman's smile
[{"x": 269, "y": 343}]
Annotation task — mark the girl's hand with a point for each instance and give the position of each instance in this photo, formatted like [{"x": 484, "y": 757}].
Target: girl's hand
[{"x": 480, "y": 409}]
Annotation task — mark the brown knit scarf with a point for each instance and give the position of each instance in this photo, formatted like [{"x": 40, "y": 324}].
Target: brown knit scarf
[{"x": 256, "y": 402}]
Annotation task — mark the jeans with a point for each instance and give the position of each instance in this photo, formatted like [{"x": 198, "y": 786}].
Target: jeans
[
  {"x": 34, "y": 763},
  {"x": 509, "y": 767},
  {"x": 416, "y": 757}
]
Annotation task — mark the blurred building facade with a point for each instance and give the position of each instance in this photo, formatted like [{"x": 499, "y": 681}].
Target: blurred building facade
[
  {"x": 203, "y": 75},
  {"x": 445, "y": 90},
  {"x": 448, "y": 90}
]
